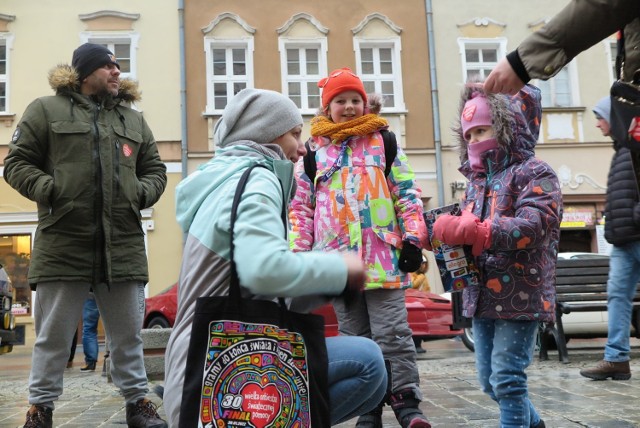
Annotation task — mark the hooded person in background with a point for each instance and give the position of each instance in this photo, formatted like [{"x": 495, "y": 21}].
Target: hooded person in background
[
  {"x": 622, "y": 230},
  {"x": 263, "y": 127},
  {"x": 511, "y": 219},
  {"x": 91, "y": 164}
]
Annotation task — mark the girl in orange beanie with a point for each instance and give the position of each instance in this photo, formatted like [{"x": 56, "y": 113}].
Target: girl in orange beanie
[{"x": 354, "y": 204}]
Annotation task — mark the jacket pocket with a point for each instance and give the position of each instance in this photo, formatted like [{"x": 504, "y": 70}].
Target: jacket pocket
[
  {"x": 54, "y": 216},
  {"x": 125, "y": 154},
  {"x": 71, "y": 142}
]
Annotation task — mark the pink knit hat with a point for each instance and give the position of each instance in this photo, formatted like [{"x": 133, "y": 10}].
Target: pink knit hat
[{"x": 476, "y": 112}]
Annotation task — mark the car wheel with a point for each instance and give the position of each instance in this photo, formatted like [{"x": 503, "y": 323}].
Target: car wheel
[
  {"x": 158, "y": 321},
  {"x": 467, "y": 338}
]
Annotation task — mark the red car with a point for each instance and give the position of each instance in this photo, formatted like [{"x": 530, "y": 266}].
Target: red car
[{"x": 429, "y": 314}]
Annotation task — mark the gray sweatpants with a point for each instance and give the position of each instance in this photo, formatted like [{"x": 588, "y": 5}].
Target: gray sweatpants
[
  {"x": 58, "y": 309},
  {"x": 381, "y": 315}
]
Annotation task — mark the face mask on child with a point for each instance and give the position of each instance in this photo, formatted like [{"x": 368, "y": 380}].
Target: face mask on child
[{"x": 476, "y": 152}]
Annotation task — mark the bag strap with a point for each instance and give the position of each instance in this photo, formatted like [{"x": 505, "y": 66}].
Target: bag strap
[
  {"x": 620, "y": 55},
  {"x": 390, "y": 149},
  {"x": 390, "y": 153},
  {"x": 234, "y": 286}
]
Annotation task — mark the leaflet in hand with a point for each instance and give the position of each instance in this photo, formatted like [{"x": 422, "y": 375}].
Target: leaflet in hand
[{"x": 455, "y": 263}]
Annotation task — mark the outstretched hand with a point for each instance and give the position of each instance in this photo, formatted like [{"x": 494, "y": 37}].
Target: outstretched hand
[{"x": 503, "y": 79}]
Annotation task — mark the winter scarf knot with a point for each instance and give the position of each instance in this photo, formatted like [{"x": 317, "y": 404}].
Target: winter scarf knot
[{"x": 322, "y": 126}]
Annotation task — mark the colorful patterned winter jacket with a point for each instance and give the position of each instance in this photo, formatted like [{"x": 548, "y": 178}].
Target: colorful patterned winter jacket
[
  {"x": 359, "y": 209},
  {"x": 521, "y": 196}
]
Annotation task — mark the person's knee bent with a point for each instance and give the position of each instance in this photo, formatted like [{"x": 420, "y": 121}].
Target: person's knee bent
[{"x": 373, "y": 366}]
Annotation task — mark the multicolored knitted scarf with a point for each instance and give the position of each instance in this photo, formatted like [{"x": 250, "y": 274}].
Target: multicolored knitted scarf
[{"x": 322, "y": 126}]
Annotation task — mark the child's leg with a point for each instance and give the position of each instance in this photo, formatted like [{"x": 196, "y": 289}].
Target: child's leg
[
  {"x": 390, "y": 329},
  {"x": 353, "y": 320},
  {"x": 504, "y": 349}
]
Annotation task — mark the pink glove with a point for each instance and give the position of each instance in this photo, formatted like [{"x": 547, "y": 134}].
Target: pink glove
[{"x": 465, "y": 229}]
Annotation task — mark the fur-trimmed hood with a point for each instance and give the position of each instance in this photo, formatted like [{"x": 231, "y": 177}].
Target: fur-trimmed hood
[
  {"x": 63, "y": 78},
  {"x": 516, "y": 124}
]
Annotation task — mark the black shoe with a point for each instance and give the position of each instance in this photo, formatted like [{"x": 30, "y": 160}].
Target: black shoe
[
  {"x": 39, "y": 417},
  {"x": 90, "y": 367},
  {"x": 143, "y": 414}
]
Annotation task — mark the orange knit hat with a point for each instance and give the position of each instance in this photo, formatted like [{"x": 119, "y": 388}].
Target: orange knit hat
[{"x": 340, "y": 80}]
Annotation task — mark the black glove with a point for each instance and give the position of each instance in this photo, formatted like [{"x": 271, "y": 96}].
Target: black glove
[
  {"x": 350, "y": 293},
  {"x": 410, "y": 257}
]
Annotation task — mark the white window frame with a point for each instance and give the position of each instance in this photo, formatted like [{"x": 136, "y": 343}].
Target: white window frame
[
  {"x": 499, "y": 43},
  {"x": 218, "y": 43},
  {"x": 395, "y": 44},
  {"x": 285, "y": 43},
  {"x": 574, "y": 86},
  {"x": 611, "y": 50},
  {"x": 113, "y": 37},
  {"x": 7, "y": 40}
]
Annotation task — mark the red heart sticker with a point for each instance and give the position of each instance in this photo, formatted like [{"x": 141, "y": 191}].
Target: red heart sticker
[
  {"x": 263, "y": 404},
  {"x": 634, "y": 129},
  {"x": 468, "y": 112}
]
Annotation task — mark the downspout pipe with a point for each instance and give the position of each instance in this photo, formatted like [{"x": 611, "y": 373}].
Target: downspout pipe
[
  {"x": 183, "y": 99},
  {"x": 435, "y": 104},
  {"x": 183, "y": 92}
]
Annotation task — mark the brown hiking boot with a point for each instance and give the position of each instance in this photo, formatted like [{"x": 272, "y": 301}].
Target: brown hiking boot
[
  {"x": 39, "y": 417},
  {"x": 143, "y": 414},
  {"x": 607, "y": 369}
]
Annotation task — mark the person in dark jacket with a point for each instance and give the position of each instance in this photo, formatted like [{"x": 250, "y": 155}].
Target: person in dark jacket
[
  {"x": 511, "y": 219},
  {"x": 622, "y": 230},
  {"x": 577, "y": 27},
  {"x": 91, "y": 164}
]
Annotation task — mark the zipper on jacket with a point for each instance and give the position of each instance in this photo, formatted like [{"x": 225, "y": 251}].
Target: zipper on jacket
[{"x": 98, "y": 202}]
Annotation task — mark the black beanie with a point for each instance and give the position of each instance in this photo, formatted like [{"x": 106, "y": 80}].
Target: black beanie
[{"x": 89, "y": 57}]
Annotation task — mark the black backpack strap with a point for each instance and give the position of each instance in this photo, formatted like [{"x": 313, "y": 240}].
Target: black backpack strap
[
  {"x": 390, "y": 150},
  {"x": 309, "y": 160}
]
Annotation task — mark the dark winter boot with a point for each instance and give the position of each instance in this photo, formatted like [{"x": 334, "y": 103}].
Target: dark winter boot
[
  {"x": 373, "y": 419},
  {"x": 405, "y": 405}
]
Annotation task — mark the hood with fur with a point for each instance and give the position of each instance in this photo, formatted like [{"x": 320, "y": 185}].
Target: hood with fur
[
  {"x": 516, "y": 124},
  {"x": 63, "y": 78}
]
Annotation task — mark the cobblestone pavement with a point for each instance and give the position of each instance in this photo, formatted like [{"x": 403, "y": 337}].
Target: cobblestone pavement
[{"x": 448, "y": 380}]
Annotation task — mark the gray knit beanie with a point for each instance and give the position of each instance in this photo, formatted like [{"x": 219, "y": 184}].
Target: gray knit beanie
[
  {"x": 257, "y": 115},
  {"x": 603, "y": 108}
]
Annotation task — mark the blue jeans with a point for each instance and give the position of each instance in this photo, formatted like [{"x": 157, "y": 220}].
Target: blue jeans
[
  {"x": 504, "y": 349},
  {"x": 90, "y": 317},
  {"x": 624, "y": 274},
  {"x": 357, "y": 376}
]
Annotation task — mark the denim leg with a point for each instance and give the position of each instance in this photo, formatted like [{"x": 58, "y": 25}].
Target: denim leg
[
  {"x": 504, "y": 349},
  {"x": 357, "y": 376},
  {"x": 624, "y": 273},
  {"x": 90, "y": 317}
]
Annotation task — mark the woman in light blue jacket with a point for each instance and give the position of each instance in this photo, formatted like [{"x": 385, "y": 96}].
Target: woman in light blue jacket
[{"x": 263, "y": 127}]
